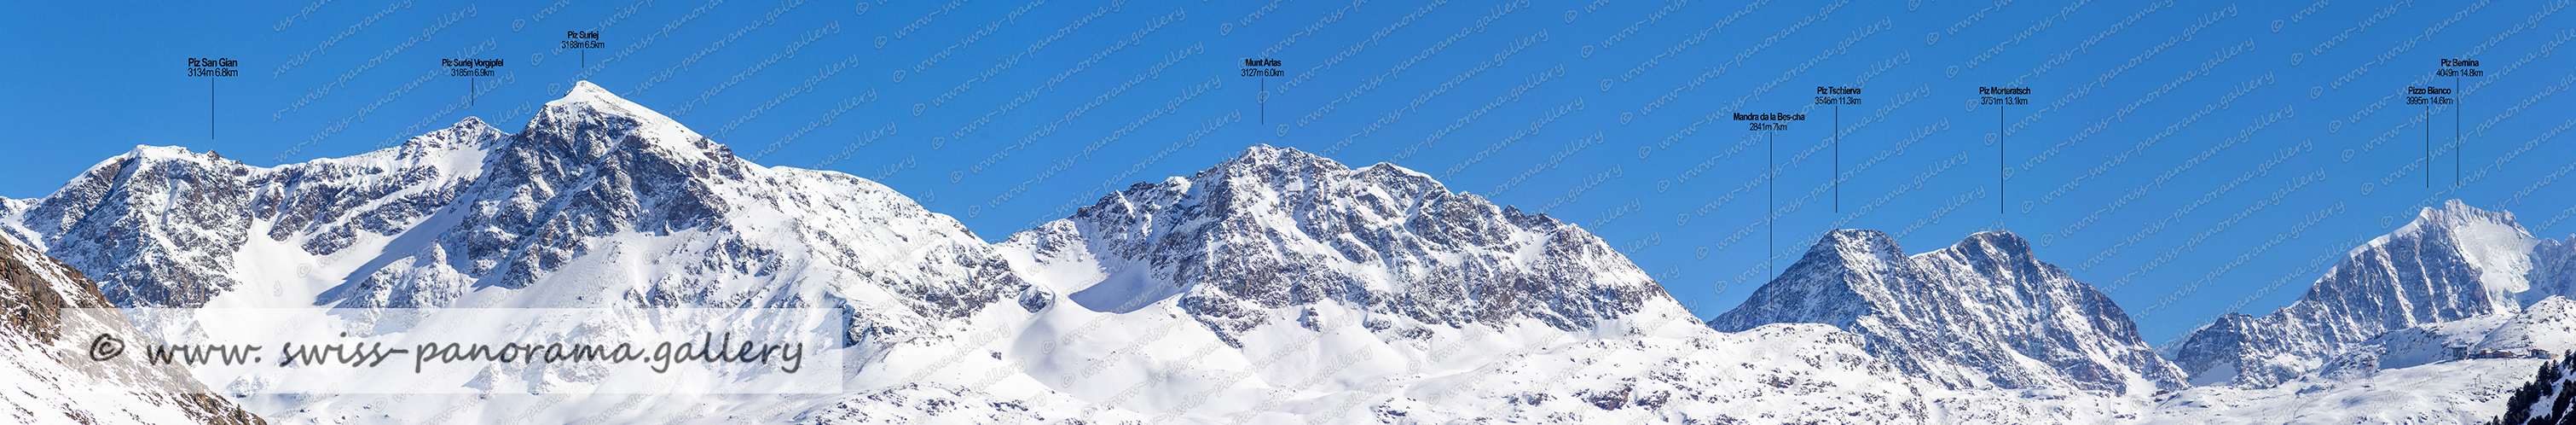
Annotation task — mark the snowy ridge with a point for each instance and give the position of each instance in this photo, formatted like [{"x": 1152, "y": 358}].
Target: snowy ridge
[
  {"x": 2451, "y": 263},
  {"x": 1279, "y": 235},
  {"x": 682, "y": 223},
  {"x": 162, "y": 226},
  {"x": 598, "y": 202},
  {"x": 1983, "y": 313}
]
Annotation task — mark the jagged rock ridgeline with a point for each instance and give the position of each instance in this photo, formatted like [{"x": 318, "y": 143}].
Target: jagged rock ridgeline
[
  {"x": 1274, "y": 229},
  {"x": 597, "y": 200},
  {"x": 1982, "y": 313}
]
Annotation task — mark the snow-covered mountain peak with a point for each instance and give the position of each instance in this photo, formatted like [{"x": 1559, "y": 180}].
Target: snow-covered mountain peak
[
  {"x": 1260, "y": 156},
  {"x": 598, "y": 201},
  {"x": 585, "y": 97},
  {"x": 1274, "y": 233},
  {"x": 2450, "y": 263},
  {"x": 1855, "y": 245},
  {"x": 2455, "y": 219},
  {"x": 592, "y": 95},
  {"x": 2001, "y": 241},
  {"x": 2491, "y": 241},
  {"x": 146, "y": 155},
  {"x": 460, "y": 146},
  {"x": 164, "y": 153},
  {"x": 470, "y": 132},
  {"x": 1264, "y": 171},
  {"x": 2456, "y": 214},
  {"x": 589, "y": 122},
  {"x": 1981, "y": 313}
]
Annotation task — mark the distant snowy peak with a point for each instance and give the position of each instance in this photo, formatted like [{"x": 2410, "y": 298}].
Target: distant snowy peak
[
  {"x": 2490, "y": 241},
  {"x": 1277, "y": 233},
  {"x": 2451, "y": 263},
  {"x": 1982, "y": 313}
]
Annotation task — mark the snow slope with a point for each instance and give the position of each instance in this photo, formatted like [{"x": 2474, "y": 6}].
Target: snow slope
[
  {"x": 2458, "y": 392},
  {"x": 2459, "y": 371},
  {"x": 47, "y": 370}
]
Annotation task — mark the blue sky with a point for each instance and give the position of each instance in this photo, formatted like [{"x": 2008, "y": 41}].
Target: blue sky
[{"x": 2187, "y": 157}]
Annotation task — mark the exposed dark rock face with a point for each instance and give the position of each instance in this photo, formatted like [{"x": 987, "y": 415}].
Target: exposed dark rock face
[
  {"x": 1274, "y": 229},
  {"x": 45, "y": 382},
  {"x": 1983, "y": 313}
]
